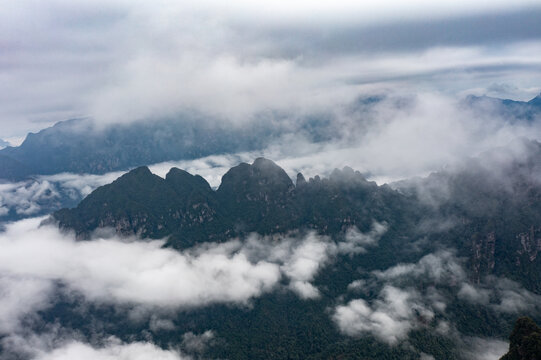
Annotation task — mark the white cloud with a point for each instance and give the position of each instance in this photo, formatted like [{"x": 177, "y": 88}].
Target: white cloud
[
  {"x": 117, "y": 271},
  {"x": 112, "y": 349},
  {"x": 305, "y": 262},
  {"x": 80, "y": 185},
  {"x": 402, "y": 305},
  {"x": 472, "y": 294},
  {"x": 441, "y": 267},
  {"x": 389, "y": 318},
  {"x": 484, "y": 349},
  {"x": 143, "y": 273},
  {"x": 130, "y": 351},
  {"x": 356, "y": 242},
  {"x": 25, "y": 197},
  {"x": 20, "y": 296},
  {"x": 502, "y": 295}
]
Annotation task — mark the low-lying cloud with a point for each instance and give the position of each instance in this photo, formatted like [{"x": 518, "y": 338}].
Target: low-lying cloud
[
  {"x": 402, "y": 305},
  {"x": 35, "y": 259},
  {"x": 49, "y": 347},
  {"x": 390, "y": 318},
  {"x": 114, "y": 270}
]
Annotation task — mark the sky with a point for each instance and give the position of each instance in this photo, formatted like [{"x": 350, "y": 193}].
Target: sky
[{"x": 120, "y": 61}]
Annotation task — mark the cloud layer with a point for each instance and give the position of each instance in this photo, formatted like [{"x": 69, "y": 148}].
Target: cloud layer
[
  {"x": 119, "y": 271},
  {"x": 129, "y": 60},
  {"x": 416, "y": 296}
]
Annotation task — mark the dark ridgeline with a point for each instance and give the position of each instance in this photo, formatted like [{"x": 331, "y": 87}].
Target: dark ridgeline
[{"x": 251, "y": 198}]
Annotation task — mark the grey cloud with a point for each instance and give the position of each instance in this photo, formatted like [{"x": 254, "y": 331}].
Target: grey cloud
[
  {"x": 502, "y": 295},
  {"x": 441, "y": 267},
  {"x": 197, "y": 343},
  {"x": 357, "y": 242},
  {"x": 123, "y": 61},
  {"x": 327, "y": 39}
]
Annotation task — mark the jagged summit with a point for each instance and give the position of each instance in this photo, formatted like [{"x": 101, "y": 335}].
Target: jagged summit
[
  {"x": 182, "y": 179},
  {"x": 262, "y": 173},
  {"x": 139, "y": 171},
  {"x": 258, "y": 197},
  {"x": 300, "y": 180}
]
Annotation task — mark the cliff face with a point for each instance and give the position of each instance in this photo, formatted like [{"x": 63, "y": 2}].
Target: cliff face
[
  {"x": 482, "y": 258},
  {"x": 530, "y": 244}
]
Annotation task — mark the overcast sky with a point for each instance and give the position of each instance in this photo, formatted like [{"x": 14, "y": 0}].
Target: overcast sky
[{"x": 121, "y": 60}]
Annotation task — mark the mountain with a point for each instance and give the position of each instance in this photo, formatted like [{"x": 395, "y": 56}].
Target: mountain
[
  {"x": 495, "y": 213},
  {"x": 258, "y": 197},
  {"x": 3, "y": 143},
  {"x": 536, "y": 101},
  {"x": 525, "y": 341},
  {"x": 12, "y": 169},
  {"x": 467, "y": 239},
  {"x": 510, "y": 109},
  {"x": 79, "y": 146},
  {"x": 448, "y": 258},
  {"x": 82, "y": 146}
]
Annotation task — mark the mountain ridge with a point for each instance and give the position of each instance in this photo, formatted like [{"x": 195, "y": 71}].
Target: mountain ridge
[
  {"x": 496, "y": 217},
  {"x": 80, "y": 146},
  {"x": 256, "y": 197}
]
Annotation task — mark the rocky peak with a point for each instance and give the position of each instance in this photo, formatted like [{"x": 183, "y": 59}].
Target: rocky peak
[
  {"x": 183, "y": 181},
  {"x": 347, "y": 177},
  {"x": 263, "y": 176},
  {"x": 300, "y": 180},
  {"x": 141, "y": 176}
]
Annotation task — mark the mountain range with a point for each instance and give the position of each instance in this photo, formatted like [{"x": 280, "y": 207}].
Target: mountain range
[
  {"x": 469, "y": 236},
  {"x": 82, "y": 146}
]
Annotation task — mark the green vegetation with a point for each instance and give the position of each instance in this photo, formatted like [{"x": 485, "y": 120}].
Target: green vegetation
[{"x": 525, "y": 341}]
